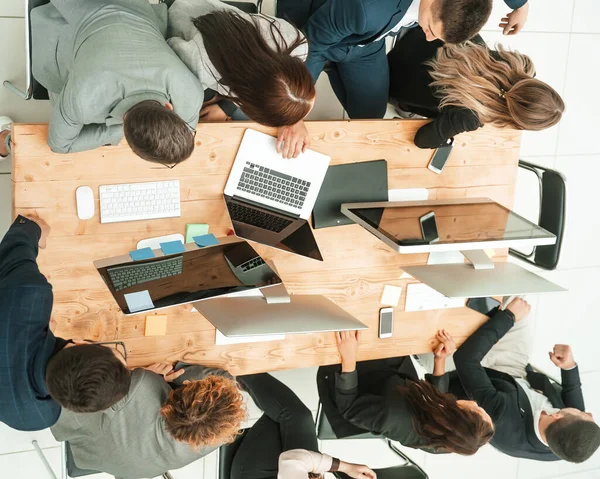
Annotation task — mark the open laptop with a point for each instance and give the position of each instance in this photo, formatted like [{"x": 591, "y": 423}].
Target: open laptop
[
  {"x": 269, "y": 199},
  {"x": 195, "y": 275}
]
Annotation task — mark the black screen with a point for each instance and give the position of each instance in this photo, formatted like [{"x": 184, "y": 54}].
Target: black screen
[{"x": 483, "y": 305}]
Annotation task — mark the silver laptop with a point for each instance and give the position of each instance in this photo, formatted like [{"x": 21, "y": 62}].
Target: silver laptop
[{"x": 249, "y": 316}]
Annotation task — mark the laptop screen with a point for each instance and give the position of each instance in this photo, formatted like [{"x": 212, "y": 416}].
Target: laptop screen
[{"x": 183, "y": 278}]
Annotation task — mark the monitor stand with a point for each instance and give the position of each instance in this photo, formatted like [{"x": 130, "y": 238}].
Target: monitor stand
[{"x": 479, "y": 259}]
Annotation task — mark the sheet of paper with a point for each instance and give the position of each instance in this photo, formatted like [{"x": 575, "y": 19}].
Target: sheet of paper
[
  {"x": 420, "y": 297},
  {"x": 140, "y": 254},
  {"x": 221, "y": 339},
  {"x": 206, "y": 240},
  {"x": 172, "y": 247},
  {"x": 391, "y": 295},
  {"x": 193, "y": 229},
  {"x": 445, "y": 257},
  {"x": 405, "y": 275},
  {"x": 138, "y": 301},
  {"x": 156, "y": 325},
  {"x": 408, "y": 194},
  {"x": 238, "y": 294}
]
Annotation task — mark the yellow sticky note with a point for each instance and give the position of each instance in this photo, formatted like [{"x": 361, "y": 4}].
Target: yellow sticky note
[
  {"x": 490, "y": 252},
  {"x": 156, "y": 325}
]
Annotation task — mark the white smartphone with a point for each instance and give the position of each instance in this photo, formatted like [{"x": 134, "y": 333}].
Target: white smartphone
[
  {"x": 439, "y": 159},
  {"x": 429, "y": 228},
  {"x": 386, "y": 322}
]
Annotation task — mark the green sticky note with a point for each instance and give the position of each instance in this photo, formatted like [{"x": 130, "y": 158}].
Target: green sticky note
[{"x": 192, "y": 230}]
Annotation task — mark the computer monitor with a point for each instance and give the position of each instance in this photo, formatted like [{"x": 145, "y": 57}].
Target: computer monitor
[{"x": 195, "y": 275}]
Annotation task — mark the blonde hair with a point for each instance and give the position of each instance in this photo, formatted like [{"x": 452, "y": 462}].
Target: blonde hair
[{"x": 503, "y": 91}]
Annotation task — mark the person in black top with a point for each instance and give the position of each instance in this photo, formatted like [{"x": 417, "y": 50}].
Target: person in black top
[{"x": 463, "y": 87}]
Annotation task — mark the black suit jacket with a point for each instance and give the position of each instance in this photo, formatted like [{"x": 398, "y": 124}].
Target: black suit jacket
[{"x": 502, "y": 397}]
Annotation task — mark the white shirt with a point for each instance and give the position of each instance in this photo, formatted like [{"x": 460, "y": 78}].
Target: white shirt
[
  {"x": 297, "y": 463},
  {"x": 539, "y": 403},
  {"x": 410, "y": 19}
]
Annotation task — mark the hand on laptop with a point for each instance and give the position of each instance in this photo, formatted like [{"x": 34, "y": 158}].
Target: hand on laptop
[
  {"x": 165, "y": 370},
  {"x": 347, "y": 343},
  {"x": 292, "y": 140}
]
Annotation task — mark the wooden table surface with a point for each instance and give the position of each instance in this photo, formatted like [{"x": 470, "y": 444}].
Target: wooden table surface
[{"x": 356, "y": 266}]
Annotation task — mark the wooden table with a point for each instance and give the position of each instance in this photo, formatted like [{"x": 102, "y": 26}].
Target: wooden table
[{"x": 356, "y": 266}]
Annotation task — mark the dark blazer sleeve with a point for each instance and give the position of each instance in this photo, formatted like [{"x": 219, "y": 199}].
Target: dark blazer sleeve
[
  {"x": 514, "y": 4},
  {"x": 571, "y": 389},
  {"x": 472, "y": 374},
  {"x": 18, "y": 255},
  {"x": 328, "y": 26},
  {"x": 442, "y": 383},
  {"x": 451, "y": 121}
]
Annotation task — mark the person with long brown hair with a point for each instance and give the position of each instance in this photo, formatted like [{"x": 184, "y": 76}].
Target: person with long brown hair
[
  {"x": 255, "y": 61},
  {"x": 463, "y": 87},
  {"x": 383, "y": 400}
]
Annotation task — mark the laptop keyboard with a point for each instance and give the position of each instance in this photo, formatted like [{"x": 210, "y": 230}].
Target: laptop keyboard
[
  {"x": 251, "y": 264},
  {"x": 273, "y": 185},
  {"x": 253, "y": 217},
  {"x": 124, "y": 277}
]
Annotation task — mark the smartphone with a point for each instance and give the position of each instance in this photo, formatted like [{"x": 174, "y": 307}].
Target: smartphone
[
  {"x": 439, "y": 159},
  {"x": 386, "y": 322},
  {"x": 429, "y": 228},
  {"x": 483, "y": 305}
]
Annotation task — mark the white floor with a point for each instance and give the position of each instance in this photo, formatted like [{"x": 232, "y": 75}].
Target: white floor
[{"x": 563, "y": 39}]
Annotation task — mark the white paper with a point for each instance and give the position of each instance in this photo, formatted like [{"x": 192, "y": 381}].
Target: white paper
[
  {"x": 408, "y": 194},
  {"x": 221, "y": 339},
  {"x": 445, "y": 257},
  {"x": 420, "y": 297},
  {"x": 391, "y": 295}
]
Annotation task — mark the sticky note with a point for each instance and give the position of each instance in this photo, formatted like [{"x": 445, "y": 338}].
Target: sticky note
[
  {"x": 156, "y": 325},
  {"x": 490, "y": 252},
  {"x": 140, "y": 254},
  {"x": 206, "y": 240},
  {"x": 172, "y": 247},
  {"x": 192, "y": 230},
  {"x": 139, "y": 301},
  {"x": 391, "y": 295}
]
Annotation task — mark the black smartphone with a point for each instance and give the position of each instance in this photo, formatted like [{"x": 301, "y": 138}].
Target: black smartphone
[
  {"x": 483, "y": 305},
  {"x": 429, "y": 228},
  {"x": 440, "y": 157}
]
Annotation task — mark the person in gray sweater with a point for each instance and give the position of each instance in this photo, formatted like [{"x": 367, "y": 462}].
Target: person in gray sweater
[
  {"x": 167, "y": 421},
  {"x": 110, "y": 72}
]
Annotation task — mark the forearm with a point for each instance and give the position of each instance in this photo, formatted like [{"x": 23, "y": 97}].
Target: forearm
[
  {"x": 89, "y": 137},
  {"x": 19, "y": 250},
  {"x": 571, "y": 388},
  {"x": 439, "y": 366}
]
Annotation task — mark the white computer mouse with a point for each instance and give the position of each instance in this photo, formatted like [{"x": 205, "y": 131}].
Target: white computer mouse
[{"x": 85, "y": 202}]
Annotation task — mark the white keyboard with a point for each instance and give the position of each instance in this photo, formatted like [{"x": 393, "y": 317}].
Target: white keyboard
[{"x": 140, "y": 201}]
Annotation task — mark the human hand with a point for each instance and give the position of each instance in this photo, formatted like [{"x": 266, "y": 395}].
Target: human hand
[
  {"x": 45, "y": 227},
  {"x": 165, "y": 370},
  {"x": 446, "y": 347},
  {"x": 520, "y": 308},
  {"x": 562, "y": 356},
  {"x": 513, "y": 22},
  {"x": 357, "y": 471},
  {"x": 213, "y": 112},
  {"x": 292, "y": 140},
  {"x": 347, "y": 343}
]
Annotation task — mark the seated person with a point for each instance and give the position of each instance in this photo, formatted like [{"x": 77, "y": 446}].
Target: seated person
[
  {"x": 157, "y": 426},
  {"x": 110, "y": 72},
  {"x": 38, "y": 371},
  {"x": 533, "y": 418},
  {"x": 384, "y": 401},
  {"x": 463, "y": 87},
  {"x": 348, "y": 36},
  {"x": 283, "y": 442},
  {"x": 256, "y": 61}
]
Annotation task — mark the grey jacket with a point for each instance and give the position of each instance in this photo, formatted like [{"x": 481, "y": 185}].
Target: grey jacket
[
  {"x": 100, "y": 58},
  {"x": 186, "y": 40},
  {"x": 129, "y": 440}
]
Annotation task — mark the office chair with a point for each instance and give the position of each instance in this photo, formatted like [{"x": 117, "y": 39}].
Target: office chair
[
  {"x": 32, "y": 88},
  {"x": 226, "y": 453},
  {"x": 552, "y": 216}
]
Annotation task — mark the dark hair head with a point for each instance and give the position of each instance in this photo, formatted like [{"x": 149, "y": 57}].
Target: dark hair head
[
  {"x": 442, "y": 423},
  {"x": 158, "y": 134},
  {"x": 462, "y": 19},
  {"x": 87, "y": 378},
  {"x": 572, "y": 438},
  {"x": 208, "y": 412},
  {"x": 269, "y": 85}
]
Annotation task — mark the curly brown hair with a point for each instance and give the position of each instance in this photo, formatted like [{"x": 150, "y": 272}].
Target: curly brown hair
[{"x": 208, "y": 412}]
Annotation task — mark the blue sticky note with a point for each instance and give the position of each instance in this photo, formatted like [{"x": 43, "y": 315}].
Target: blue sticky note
[
  {"x": 206, "y": 240},
  {"x": 172, "y": 247},
  {"x": 140, "y": 254},
  {"x": 139, "y": 301}
]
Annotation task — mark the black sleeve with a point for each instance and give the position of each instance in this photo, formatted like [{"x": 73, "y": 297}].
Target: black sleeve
[
  {"x": 228, "y": 107},
  {"x": 450, "y": 122},
  {"x": 514, "y": 4},
  {"x": 442, "y": 383},
  {"x": 571, "y": 389},
  {"x": 18, "y": 254},
  {"x": 472, "y": 374}
]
